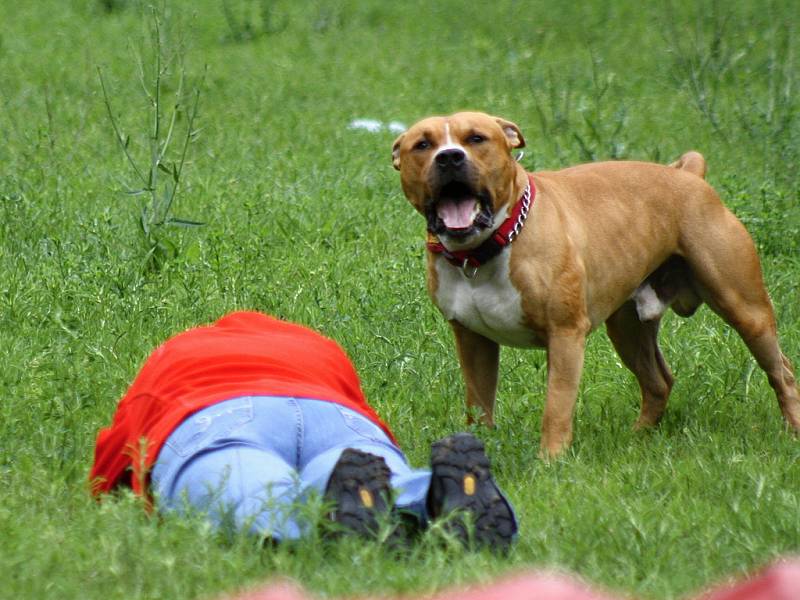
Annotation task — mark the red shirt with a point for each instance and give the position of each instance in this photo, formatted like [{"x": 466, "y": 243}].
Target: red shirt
[{"x": 242, "y": 354}]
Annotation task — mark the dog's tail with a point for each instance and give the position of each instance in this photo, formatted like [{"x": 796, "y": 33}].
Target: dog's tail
[{"x": 693, "y": 162}]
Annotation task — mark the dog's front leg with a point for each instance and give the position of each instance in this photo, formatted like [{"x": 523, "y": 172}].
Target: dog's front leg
[
  {"x": 564, "y": 365},
  {"x": 479, "y": 357}
]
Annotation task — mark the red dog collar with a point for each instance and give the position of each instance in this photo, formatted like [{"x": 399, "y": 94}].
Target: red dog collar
[{"x": 502, "y": 237}]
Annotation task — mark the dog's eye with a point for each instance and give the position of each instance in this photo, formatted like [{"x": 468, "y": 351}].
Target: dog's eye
[
  {"x": 476, "y": 138},
  {"x": 422, "y": 145}
]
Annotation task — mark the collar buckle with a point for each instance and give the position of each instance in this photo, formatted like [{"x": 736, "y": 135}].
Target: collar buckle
[{"x": 469, "y": 271}]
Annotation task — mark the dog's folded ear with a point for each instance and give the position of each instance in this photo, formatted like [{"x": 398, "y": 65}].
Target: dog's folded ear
[
  {"x": 513, "y": 134},
  {"x": 396, "y": 151}
]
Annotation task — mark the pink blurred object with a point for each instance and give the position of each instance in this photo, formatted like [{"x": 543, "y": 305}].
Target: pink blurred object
[
  {"x": 525, "y": 586},
  {"x": 780, "y": 581},
  {"x": 281, "y": 590},
  {"x": 528, "y": 586}
]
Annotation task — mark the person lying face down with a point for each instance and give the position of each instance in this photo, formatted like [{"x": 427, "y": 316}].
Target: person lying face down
[{"x": 243, "y": 418}]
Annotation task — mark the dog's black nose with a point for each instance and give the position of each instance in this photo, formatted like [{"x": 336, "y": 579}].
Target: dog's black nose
[{"x": 450, "y": 158}]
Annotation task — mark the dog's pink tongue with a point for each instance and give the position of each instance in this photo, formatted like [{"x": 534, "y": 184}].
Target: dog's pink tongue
[{"x": 457, "y": 214}]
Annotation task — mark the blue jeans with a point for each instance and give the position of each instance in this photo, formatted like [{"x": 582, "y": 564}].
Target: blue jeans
[{"x": 250, "y": 462}]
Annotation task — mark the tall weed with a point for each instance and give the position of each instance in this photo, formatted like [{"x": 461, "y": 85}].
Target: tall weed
[{"x": 158, "y": 170}]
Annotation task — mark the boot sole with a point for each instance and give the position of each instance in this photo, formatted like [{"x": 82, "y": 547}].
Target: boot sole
[{"x": 462, "y": 486}]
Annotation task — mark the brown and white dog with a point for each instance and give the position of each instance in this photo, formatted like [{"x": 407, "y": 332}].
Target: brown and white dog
[{"x": 542, "y": 259}]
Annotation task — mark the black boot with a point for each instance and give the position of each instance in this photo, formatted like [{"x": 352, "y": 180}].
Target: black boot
[
  {"x": 461, "y": 483},
  {"x": 359, "y": 489}
]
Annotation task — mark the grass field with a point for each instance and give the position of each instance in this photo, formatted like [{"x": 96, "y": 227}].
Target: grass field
[{"x": 304, "y": 218}]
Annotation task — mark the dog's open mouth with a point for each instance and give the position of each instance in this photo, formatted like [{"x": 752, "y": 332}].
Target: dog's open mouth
[{"x": 459, "y": 210}]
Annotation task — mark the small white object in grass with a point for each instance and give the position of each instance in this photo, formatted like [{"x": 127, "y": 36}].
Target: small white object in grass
[
  {"x": 396, "y": 127},
  {"x": 375, "y": 126},
  {"x": 371, "y": 125}
]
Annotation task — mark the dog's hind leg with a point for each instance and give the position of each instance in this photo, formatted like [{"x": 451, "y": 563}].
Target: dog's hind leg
[
  {"x": 636, "y": 342},
  {"x": 751, "y": 314},
  {"x": 779, "y": 372},
  {"x": 728, "y": 277}
]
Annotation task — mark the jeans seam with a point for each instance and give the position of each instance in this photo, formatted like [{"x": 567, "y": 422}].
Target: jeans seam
[{"x": 299, "y": 431}]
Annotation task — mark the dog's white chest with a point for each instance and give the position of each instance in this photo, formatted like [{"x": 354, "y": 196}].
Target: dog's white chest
[{"x": 487, "y": 304}]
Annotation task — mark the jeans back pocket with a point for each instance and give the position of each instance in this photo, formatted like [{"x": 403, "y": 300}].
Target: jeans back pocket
[
  {"x": 362, "y": 425},
  {"x": 210, "y": 424}
]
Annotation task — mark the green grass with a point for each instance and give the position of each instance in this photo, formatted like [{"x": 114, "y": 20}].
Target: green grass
[{"x": 306, "y": 220}]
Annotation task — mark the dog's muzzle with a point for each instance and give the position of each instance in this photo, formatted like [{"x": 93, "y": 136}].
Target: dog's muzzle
[{"x": 457, "y": 207}]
